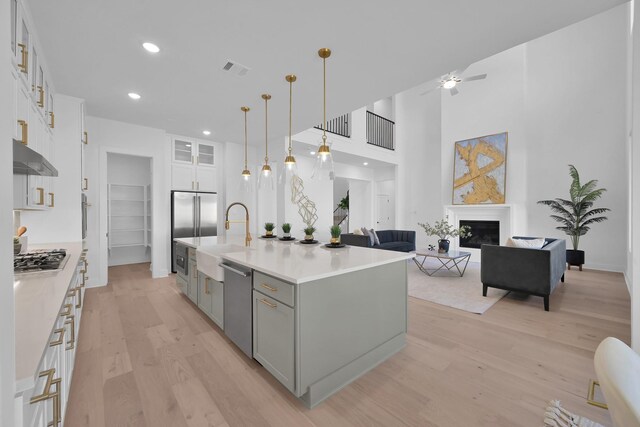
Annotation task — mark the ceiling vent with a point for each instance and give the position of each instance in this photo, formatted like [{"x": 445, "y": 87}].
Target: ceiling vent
[{"x": 236, "y": 68}]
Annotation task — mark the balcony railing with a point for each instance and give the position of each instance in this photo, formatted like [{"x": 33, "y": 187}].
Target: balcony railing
[
  {"x": 380, "y": 131},
  {"x": 339, "y": 126}
]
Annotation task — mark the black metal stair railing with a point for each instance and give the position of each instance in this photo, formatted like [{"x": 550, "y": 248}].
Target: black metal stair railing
[
  {"x": 380, "y": 131},
  {"x": 339, "y": 126}
]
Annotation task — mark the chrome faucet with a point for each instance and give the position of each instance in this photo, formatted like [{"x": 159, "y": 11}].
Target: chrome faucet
[{"x": 247, "y": 238}]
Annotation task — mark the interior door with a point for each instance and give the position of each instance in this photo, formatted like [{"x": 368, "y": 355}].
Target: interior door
[{"x": 383, "y": 221}]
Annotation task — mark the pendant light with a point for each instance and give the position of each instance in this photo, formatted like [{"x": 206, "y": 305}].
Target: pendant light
[
  {"x": 324, "y": 162},
  {"x": 246, "y": 173},
  {"x": 265, "y": 180},
  {"x": 290, "y": 165}
]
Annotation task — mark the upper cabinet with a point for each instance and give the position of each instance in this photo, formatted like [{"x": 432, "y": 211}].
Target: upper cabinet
[
  {"x": 193, "y": 165},
  {"x": 32, "y": 109}
]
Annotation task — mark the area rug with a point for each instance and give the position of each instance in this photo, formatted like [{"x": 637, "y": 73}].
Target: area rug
[
  {"x": 447, "y": 288},
  {"x": 556, "y": 416}
]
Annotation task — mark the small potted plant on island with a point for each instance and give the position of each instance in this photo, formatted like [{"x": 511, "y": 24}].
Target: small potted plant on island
[
  {"x": 577, "y": 214},
  {"x": 286, "y": 230},
  {"x": 443, "y": 230},
  {"x": 269, "y": 227},
  {"x": 336, "y": 231},
  {"x": 308, "y": 233}
]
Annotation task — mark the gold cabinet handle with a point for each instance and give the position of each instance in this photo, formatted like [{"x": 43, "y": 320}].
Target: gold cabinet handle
[
  {"x": 193, "y": 185},
  {"x": 79, "y": 303},
  {"x": 67, "y": 310},
  {"x": 52, "y": 122},
  {"x": 48, "y": 393},
  {"x": 53, "y": 200},
  {"x": 24, "y": 127},
  {"x": 40, "y": 97},
  {"x": 197, "y": 160},
  {"x": 271, "y": 288},
  {"x": 41, "y": 192},
  {"x": 60, "y": 338},
  {"x": 86, "y": 138},
  {"x": 86, "y": 184},
  {"x": 72, "y": 293},
  {"x": 265, "y": 302},
  {"x": 206, "y": 285},
  {"x": 24, "y": 65},
  {"x": 71, "y": 320}
]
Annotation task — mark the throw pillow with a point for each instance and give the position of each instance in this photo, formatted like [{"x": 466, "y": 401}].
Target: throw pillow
[
  {"x": 366, "y": 233},
  {"x": 527, "y": 244},
  {"x": 358, "y": 232},
  {"x": 376, "y": 241}
]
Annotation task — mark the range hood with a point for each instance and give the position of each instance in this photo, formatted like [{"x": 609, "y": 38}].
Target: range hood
[{"x": 28, "y": 162}]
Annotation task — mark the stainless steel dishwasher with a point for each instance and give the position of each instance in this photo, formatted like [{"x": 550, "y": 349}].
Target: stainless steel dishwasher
[{"x": 238, "y": 312}]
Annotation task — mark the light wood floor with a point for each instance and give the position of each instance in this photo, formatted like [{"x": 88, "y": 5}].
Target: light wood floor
[{"x": 146, "y": 356}]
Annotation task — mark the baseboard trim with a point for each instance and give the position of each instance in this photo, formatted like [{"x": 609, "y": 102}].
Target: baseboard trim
[
  {"x": 602, "y": 267},
  {"x": 627, "y": 281},
  {"x": 161, "y": 273}
]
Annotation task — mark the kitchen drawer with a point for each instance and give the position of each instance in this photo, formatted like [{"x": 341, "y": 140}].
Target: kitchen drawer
[
  {"x": 182, "y": 283},
  {"x": 274, "y": 288}
]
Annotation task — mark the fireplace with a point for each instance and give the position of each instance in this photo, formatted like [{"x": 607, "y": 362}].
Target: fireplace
[{"x": 482, "y": 233}]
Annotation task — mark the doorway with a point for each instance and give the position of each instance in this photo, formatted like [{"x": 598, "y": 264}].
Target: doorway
[{"x": 129, "y": 209}]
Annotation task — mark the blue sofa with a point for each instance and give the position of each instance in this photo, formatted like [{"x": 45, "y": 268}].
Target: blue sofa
[
  {"x": 391, "y": 240},
  {"x": 531, "y": 271}
]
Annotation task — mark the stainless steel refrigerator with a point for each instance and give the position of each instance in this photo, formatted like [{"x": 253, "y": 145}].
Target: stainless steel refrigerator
[{"x": 193, "y": 214}]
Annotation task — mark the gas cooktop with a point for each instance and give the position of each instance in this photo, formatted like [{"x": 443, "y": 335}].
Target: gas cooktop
[{"x": 40, "y": 260}]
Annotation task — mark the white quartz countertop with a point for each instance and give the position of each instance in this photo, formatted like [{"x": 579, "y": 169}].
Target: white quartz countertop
[
  {"x": 295, "y": 262},
  {"x": 196, "y": 242},
  {"x": 38, "y": 300}
]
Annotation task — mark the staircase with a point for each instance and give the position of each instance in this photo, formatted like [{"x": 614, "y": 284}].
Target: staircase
[{"x": 341, "y": 214}]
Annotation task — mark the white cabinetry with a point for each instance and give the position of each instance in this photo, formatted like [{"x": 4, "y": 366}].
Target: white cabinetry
[
  {"x": 33, "y": 115},
  {"x": 193, "y": 165},
  {"x": 43, "y": 403}
]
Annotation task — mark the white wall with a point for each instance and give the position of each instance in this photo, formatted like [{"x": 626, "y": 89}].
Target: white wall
[
  {"x": 551, "y": 95},
  {"x": 635, "y": 185},
  {"x": 576, "y": 114},
  {"x": 487, "y": 107},
  {"x": 117, "y": 137},
  {"x": 130, "y": 170},
  {"x": 360, "y": 204},
  {"x": 67, "y": 214},
  {"x": 418, "y": 146},
  {"x": 7, "y": 326}
]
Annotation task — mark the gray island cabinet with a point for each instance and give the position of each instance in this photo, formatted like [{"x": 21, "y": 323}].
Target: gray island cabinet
[
  {"x": 316, "y": 337},
  {"x": 318, "y": 318}
]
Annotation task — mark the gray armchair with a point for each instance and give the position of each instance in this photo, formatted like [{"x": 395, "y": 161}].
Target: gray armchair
[{"x": 531, "y": 271}]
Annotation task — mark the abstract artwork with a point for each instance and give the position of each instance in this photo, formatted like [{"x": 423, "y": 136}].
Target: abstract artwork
[
  {"x": 480, "y": 170},
  {"x": 306, "y": 208}
]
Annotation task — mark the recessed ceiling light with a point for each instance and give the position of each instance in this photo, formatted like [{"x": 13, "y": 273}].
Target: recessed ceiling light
[
  {"x": 206, "y": 132},
  {"x": 313, "y": 153},
  {"x": 365, "y": 163},
  {"x": 134, "y": 95},
  {"x": 150, "y": 47}
]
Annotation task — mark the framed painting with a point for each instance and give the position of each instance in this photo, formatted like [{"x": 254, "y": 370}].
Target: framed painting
[{"x": 480, "y": 170}]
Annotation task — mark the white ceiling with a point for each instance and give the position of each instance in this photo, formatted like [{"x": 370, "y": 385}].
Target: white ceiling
[{"x": 379, "y": 48}]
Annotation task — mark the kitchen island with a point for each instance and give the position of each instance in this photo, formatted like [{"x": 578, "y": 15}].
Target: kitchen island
[{"x": 321, "y": 317}]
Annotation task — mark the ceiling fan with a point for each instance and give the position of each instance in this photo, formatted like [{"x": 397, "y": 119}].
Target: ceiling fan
[{"x": 451, "y": 80}]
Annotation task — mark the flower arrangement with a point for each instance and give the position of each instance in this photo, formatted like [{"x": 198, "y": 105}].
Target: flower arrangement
[{"x": 443, "y": 230}]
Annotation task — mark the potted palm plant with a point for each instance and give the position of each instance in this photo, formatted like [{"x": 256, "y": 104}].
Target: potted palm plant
[
  {"x": 286, "y": 230},
  {"x": 308, "y": 233},
  {"x": 336, "y": 231},
  {"x": 443, "y": 230},
  {"x": 577, "y": 214},
  {"x": 269, "y": 227}
]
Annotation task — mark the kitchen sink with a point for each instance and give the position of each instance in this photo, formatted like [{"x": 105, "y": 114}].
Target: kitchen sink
[{"x": 208, "y": 258}]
